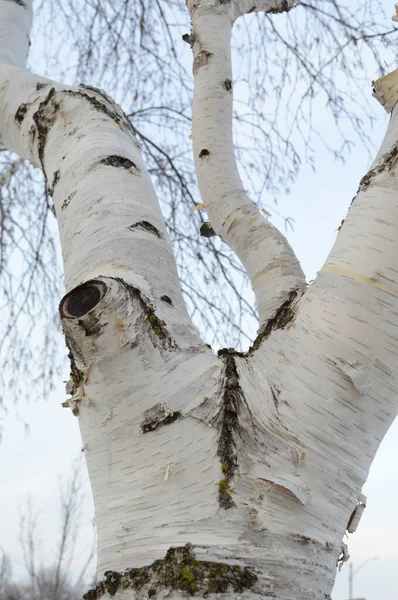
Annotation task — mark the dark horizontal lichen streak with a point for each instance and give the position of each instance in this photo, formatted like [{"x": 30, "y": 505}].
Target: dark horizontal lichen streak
[{"x": 121, "y": 162}]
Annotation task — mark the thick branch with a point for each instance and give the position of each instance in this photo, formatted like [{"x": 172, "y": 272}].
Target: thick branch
[
  {"x": 270, "y": 262},
  {"x": 108, "y": 215},
  {"x": 353, "y": 304},
  {"x": 15, "y": 24}
]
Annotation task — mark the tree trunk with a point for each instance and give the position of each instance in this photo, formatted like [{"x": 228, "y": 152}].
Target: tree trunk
[{"x": 230, "y": 476}]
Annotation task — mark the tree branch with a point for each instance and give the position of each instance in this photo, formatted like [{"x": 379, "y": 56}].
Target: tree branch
[
  {"x": 98, "y": 181},
  {"x": 271, "y": 264}
]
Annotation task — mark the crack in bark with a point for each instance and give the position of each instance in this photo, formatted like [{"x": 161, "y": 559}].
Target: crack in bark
[
  {"x": 44, "y": 119},
  {"x": 56, "y": 178},
  {"x": 179, "y": 570},
  {"x": 228, "y": 422}
]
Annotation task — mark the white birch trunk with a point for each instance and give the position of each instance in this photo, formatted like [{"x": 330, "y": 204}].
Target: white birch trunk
[{"x": 249, "y": 464}]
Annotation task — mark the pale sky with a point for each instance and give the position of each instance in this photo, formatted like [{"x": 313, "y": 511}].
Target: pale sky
[{"x": 31, "y": 464}]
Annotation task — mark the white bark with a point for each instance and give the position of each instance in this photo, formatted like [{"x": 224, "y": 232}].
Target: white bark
[
  {"x": 107, "y": 211},
  {"x": 270, "y": 262},
  {"x": 256, "y": 460}
]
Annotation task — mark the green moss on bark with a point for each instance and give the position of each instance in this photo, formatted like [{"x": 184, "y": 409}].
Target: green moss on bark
[{"x": 179, "y": 570}]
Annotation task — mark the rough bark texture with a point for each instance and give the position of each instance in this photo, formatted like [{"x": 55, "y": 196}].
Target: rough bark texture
[{"x": 230, "y": 476}]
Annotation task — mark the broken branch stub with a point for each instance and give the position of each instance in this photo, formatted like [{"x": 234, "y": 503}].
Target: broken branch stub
[{"x": 82, "y": 299}]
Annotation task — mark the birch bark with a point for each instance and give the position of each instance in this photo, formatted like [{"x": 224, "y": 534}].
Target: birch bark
[
  {"x": 265, "y": 253},
  {"x": 232, "y": 476}
]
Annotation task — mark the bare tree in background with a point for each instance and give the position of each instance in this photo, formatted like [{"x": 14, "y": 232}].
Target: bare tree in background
[
  {"x": 54, "y": 578},
  {"x": 283, "y": 79}
]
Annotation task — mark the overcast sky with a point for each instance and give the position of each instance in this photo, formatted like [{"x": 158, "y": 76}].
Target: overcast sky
[{"x": 31, "y": 464}]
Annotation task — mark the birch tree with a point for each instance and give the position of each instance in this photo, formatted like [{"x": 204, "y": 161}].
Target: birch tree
[{"x": 229, "y": 476}]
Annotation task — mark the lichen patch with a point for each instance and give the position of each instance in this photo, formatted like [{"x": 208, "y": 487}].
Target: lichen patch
[{"x": 179, "y": 570}]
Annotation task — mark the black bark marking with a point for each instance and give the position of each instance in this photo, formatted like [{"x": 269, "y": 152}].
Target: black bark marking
[
  {"x": 201, "y": 60},
  {"x": 228, "y": 423},
  {"x": 203, "y": 153},
  {"x": 40, "y": 85},
  {"x": 146, "y": 226},
  {"x": 157, "y": 328},
  {"x": 166, "y": 300},
  {"x": 101, "y": 107},
  {"x": 282, "y": 317},
  {"x": 179, "y": 570},
  {"x": 303, "y": 539},
  {"x": 189, "y": 38},
  {"x": 275, "y": 396},
  {"x": 158, "y": 416},
  {"x": 206, "y": 230},
  {"x": 252, "y": 9},
  {"x": 56, "y": 178},
  {"x": 44, "y": 119},
  {"x": 388, "y": 161},
  {"x": 228, "y": 85},
  {"x": 21, "y": 113},
  {"x": 67, "y": 200},
  {"x": 20, "y": 2},
  {"x": 120, "y": 162}
]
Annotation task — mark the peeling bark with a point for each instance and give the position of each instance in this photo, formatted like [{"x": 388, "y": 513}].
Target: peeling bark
[{"x": 158, "y": 416}]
